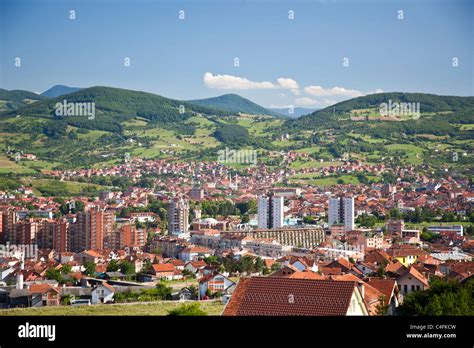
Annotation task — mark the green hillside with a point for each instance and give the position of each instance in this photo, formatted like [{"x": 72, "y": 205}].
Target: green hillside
[
  {"x": 235, "y": 104},
  {"x": 150, "y": 126},
  {"x": 440, "y": 136},
  {"x": 15, "y": 99}
]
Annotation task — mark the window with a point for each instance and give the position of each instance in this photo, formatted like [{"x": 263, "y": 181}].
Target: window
[
  {"x": 405, "y": 288},
  {"x": 413, "y": 288},
  {"x": 418, "y": 287}
]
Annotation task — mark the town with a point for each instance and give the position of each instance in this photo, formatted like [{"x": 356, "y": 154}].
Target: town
[{"x": 246, "y": 240}]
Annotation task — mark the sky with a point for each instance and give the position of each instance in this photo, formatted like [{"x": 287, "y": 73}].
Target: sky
[{"x": 307, "y": 53}]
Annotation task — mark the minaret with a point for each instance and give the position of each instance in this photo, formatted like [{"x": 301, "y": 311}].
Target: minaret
[{"x": 19, "y": 275}]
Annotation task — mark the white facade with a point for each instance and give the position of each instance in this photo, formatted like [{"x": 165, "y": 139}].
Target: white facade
[
  {"x": 178, "y": 216},
  {"x": 270, "y": 212},
  {"x": 102, "y": 294},
  {"x": 341, "y": 211},
  {"x": 263, "y": 208},
  {"x": 454, "y": 228}
]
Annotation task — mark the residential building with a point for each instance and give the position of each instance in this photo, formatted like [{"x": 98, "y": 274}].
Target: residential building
[
  {"x": 412, "y": 280},
  {"x": 270, "y": 211},
  {"x": 178, "y": 216},
  {"x": 282, "y": 296},
  {"x": 458, "y": 229},
  {"x": 341, "y": 211},
  {"x": 213, "y": 283}
]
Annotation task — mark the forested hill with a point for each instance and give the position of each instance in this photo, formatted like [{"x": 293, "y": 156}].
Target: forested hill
[
  {"x": 114, "y": 106},
  {"x": 234, "y": 103},
  {"x": 12, "y": 100},
  {"x": 429, "y": 103}
]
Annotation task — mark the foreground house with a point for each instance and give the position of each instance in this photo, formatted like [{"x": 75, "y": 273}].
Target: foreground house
[
  {"x": 215, "y": 283},
  {"x": 277, "y": 296},
  {"x": 102, "y": 293},
  {"x": 412, "y": 280},
  {"x": 37, "y": 295}
]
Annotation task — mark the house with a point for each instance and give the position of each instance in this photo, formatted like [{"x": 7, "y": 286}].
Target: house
[
  {"x": 405, "y": 254},
  {"x": 102, "y": 293},
  {"x": 215, "y": 283},
  {"x": 412, "y": 280},
  {"x": 177, "y": 263},
  {"x": 88, "y": 256},
  {"x": 276, "y": 296},
  {"x": 299, "y": 263},
  {"x": 395, "y": 269},
  {"x": 163, "y": 270},
  {"x": 195, "y": 266},
  {"x": 377, "y": 257},
  {"x": 345, "y": 266},
  {"x": 366, "y": 268},
  {"x": 187, "y": 294},
  {"x": 389, "y": 289},
  {"x": 194, "y": 252},
  {"x": 5, "y": 271},
  {"x": 43, "y": 295},
  {"x": 372, "y": 296}
]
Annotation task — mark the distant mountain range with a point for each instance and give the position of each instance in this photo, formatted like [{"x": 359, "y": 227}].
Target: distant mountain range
[
  {"x": 59, "y": 90},
  {"x": 150, "y": 125},
  {"x": 234, "y": 103}
]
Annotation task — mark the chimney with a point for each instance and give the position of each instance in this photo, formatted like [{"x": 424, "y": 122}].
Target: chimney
[{"x": 361, "y": 289}]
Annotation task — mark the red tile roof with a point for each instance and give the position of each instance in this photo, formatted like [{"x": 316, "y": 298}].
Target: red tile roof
[
  {"x": 41, "y": 289},
  {"x": 385, "y": 286},
  {"x": 278, "y": 296},
  {"x": 163, "y": 267}
]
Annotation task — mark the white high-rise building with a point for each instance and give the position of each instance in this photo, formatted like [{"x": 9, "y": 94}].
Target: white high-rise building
[
  {"x": 178, "y": 216},
  {"x": 270, "y": 211},
  {"x": 341, "y": 211}
]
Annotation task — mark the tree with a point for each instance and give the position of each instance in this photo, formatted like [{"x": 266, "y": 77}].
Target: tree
[
  {"x": 89, "y": 268},
  {"x": 259, "y": 265},
  {"x": 113, "y": 266},
  {"x": 67, "y": 299},
  {"x": 53, "y": 273},
  {"x": 187, "y": 309},
  {"x": 276, "y": 267},
  {"x": 246, "y": 264},
  {"x": 443, "y": 297},
  {"x": 163, "y": 291},
  {"x": 382, "y": 307},
  {"x": 66, "y": 269},
  {"x": 127, "y": 267}
]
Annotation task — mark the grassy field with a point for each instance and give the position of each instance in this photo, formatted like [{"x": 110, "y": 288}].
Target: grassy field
[
  {"x": 64, "y": 188},
  {"x": 149, "y": 308}
]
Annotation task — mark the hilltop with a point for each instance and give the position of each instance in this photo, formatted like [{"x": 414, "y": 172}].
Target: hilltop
[
  {"x": 15, "y": 99},
  {"x": 234, "y": 103},
  {"x": 59, "y": 90}
]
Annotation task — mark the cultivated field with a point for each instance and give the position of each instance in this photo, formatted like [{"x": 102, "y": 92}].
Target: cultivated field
[{"x": 148, "y": 308}]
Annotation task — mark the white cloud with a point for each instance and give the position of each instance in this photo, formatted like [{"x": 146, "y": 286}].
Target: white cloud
[
  {"x": 240, "y": 83},
  {"x": 319, "y": 91},
  {"x": 287, "y": 83},
  {"x": 311, "y": 102},
  {"x": 234, "y": 82},
  {"x": 305, "y": 101}
]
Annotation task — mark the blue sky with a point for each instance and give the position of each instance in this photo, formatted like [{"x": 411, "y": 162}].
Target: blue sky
[{"x": 282, "y": 61}]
